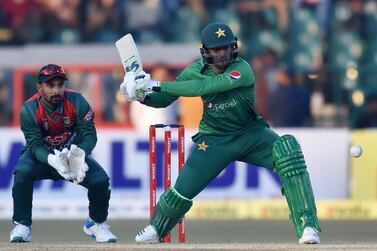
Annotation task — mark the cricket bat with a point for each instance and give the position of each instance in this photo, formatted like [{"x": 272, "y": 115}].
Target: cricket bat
[{"x": 129, "y": 54}]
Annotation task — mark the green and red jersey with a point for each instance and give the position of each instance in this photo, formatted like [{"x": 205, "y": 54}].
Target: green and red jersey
[
  {"x": 46, "y": 129},
  {"x": 228, "y": 98}
]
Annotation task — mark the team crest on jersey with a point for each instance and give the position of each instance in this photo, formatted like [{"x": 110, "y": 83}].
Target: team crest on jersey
[
  {"x": 234, "y": 75},
  {"x": 67, "y": 121},
  {"x": 89, "y": 115},
  {"x": 45, "y": 124}
]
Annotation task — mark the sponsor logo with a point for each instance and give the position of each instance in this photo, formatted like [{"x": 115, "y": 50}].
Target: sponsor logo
[
  {"x": 59, "y": 142},
  {"x": 225, "y": 105},
  {"x": 221, "y": 106},
  {"x": 89, "y": 115},
  {"x": 234, "y": 75}
]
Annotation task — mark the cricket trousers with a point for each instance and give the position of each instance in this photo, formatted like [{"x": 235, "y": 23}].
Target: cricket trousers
[
  {"x": 29, "y": 169},
  {"x": 212, "y": 153}
]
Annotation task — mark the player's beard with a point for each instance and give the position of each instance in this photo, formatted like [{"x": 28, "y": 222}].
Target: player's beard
[
  {"x": 222, "y": 62},
  {"x": 54, "y": 101}
]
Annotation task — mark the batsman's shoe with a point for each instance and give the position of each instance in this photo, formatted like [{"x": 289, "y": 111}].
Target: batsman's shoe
[
  {"x": 100, "y": 231},
  {"x": 309, "y": 236},
  {"x": 20, "y": 233},
  {"x": 148, "y": 235}
]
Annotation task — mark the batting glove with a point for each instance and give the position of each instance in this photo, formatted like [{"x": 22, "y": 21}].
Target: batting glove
[
  {"x": 77, "y": 164},
  {"x": 147, "y": 84},
  {"x": 128, "y": 86},
  {"x": 59, "y": 161}
]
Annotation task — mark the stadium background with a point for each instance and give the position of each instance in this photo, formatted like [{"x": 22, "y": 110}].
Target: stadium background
[{"x": 313, "y": 59}]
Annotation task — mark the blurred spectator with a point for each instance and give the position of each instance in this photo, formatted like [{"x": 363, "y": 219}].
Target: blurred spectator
[
  {"x": 17, "y": 14},
  {"x": 102, "y": 23},
  {"x": 368, "y": 118},
  {"x": 5, "y": 105},
  {"x": 329, "y": 37},
  {"x": 289, "y": 103},
  {"x": 142, "y": 19},
  {"x": 265, "y": 68}
]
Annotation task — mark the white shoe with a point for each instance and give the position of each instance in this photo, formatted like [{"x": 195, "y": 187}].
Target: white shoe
[
  {"x": 100, "y": 231},
  {"x": 309, "y": 236},
  {"x": 20, "y": 233},
  {"x": 148, "y": 235}
]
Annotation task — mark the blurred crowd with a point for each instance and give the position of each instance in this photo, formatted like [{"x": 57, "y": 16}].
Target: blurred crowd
[{"x": 315, "y": 60}]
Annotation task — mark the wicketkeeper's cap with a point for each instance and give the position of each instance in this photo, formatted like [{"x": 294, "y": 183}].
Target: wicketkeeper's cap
[{"x": 51, "y": 71}]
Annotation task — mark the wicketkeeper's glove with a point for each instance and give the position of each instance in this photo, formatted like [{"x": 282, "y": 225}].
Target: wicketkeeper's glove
[
  {"x": 59, "y": 161},
  {"x": 77, "y": 164}
]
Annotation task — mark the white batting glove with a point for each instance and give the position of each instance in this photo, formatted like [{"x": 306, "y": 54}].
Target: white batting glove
[
  {"x": 146, "y": 83},
  {"x": 59, "y": 161},
  {"x": 128, "y": 86},
  {"x": 77, "y": 164}
]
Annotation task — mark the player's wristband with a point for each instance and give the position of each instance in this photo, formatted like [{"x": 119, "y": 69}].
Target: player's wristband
[{"x": 156, "y": 88}]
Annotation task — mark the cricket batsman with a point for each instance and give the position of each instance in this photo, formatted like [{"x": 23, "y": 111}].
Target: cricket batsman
[
  {"x": 60, "y": 136},
  {"x": 230, "y": 130}
]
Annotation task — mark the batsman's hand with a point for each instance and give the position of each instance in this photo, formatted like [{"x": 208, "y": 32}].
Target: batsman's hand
[
  {"x": 77, "y": 164},
  {"x": 59, "y": 161},
  {"x": 145, "y": 83},
  {"x": 128, "y": 86}
]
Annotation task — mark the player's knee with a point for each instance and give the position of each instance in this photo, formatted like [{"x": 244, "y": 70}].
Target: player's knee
[
  {"x": 287, "y": 155},
  {"x": 100, "y": 182},
  {"x": 23, "y": 173}
]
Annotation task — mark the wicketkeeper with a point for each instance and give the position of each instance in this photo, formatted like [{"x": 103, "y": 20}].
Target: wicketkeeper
[
  {"x": 60, "y": 136},
  {"x": 230, "y": 130}
]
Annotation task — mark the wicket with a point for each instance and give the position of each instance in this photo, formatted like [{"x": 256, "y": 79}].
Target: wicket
[{"x": 167, "y": 168}]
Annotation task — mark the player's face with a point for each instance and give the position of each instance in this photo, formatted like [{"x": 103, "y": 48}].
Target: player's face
[
  {"x": 221, "y": 56},
  {"x": 52, "y": 91}
]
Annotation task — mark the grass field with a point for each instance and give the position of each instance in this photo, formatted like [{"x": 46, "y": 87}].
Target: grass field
[{"x": 201, "y": 235}]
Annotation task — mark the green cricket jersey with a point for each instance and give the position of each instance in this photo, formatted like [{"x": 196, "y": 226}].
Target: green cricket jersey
[
  {"x": 46, "y": 129},
  {"x": 228, "y": 98}
]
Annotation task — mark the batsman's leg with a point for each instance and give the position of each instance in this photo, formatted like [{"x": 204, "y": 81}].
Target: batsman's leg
[
  {"x": 207, "y": 159},
  {"x": 170, "y": 209},
  {"x": 291, "y": 167}
]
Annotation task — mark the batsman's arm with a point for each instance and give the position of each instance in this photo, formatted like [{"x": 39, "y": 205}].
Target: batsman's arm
[
  {"x": 87, "y": 134},
  {"x": 159, "y": 100},
  {"x": 211, "y": 84},
  {"x": 33, "y": 135}
]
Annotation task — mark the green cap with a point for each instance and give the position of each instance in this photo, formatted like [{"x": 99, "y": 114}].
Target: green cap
[{"x": 217, "y": 35}]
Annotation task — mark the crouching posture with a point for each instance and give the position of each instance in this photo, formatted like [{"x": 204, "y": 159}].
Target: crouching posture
[
  {"x": 60, "y": 136},
  {"x": 230, "y": 130}
]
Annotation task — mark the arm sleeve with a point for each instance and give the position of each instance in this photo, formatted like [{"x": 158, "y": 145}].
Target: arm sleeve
[
  {"x": 160, "y": 100},
  {"x": 210, "y": 84},
  {"x": 33, "y": 135},
  {"x": 85, "y": 126}
]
